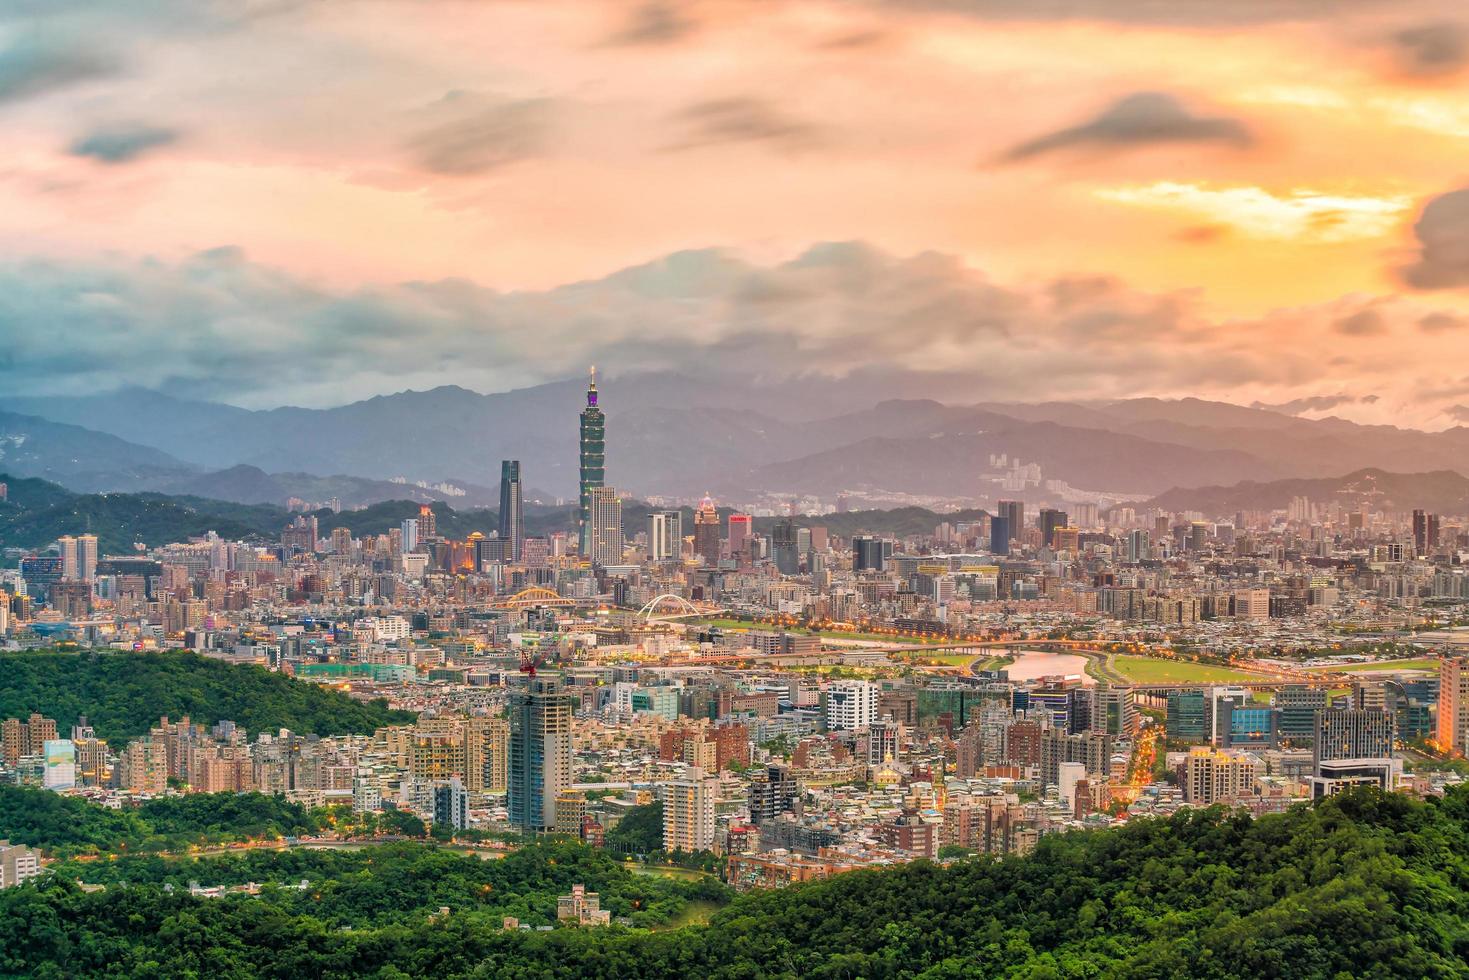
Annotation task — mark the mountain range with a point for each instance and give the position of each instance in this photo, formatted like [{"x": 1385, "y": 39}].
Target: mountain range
[{"x": 671, "y": 434}]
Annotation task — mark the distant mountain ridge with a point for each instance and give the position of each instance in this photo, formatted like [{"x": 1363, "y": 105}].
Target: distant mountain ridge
[
  {"x": 679, "y": 435},
  {"x": 1441, "y": 491}
]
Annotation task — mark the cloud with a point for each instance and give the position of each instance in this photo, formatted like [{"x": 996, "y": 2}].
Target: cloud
[
  {"x": 836, "y": 309},
  {"x": 122, "y": 143},
  {"x": 1312, "y": 403},
  {"x": 476, "y": 135},
  {"x": 1137, "y": 120},
  {"x": 1459, "y": 413},
  {"x": 1434, "y": 49},
  {"x": 1441, "y": 322},
  {"x": 655, "y": 22},
  {"x": 1442, "y": 230},
  {"x": 742, "y": 119},
  {"x": 1363, "y": 323},
  {"x": 33, "y": 66},
  {"x": 1181, "y": 13}
]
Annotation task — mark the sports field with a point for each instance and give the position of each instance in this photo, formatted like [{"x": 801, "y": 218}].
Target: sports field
[{"x": 1420, "y": 663}]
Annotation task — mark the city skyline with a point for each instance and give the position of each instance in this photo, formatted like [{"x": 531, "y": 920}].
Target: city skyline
[{"x": 1241, "y": 200}]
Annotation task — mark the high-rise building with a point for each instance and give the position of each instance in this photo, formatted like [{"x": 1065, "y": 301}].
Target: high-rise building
[
  {"x": 486, "y": 754},
  {"x": 71, "y": 557},
  {"x": 1000, "y": 534},
  {"x": 428, "y": 525},
  {"x": 870, "y": 553},
  {"x": 83, "y": 566},
  {"x": 604, "y": 526},
  {"x": 741, "y": 530},
  {"x": 1352, "y": 733},
  {"x": 1425, "y": 533},
  {"x": 1013, "y": 511},
  {"x": 706, "y": 532},
  {"x": 1213, "y": 776},
  {"x": 409, "y": 529},
  {"x": 851, "y": 705},
  {"x": 1048, "y": 521},
  {"x": 1139, "y": 545},
  {"x": 512, "y": 515},
  {"x": 1453, "y": 705},
  {"x": 451, "y": 804},
  {"x": 688, "y": 813},
  {"x": 773, "y": 791},
  {"x": 593, "y": 459},
  {"x": 665, "y": 535},
  {"x": 540, "y": 753},
  {"x": 783, "y": 547}
]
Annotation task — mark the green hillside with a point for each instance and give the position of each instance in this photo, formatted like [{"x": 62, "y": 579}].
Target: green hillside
[
  {"x": 1359, "y": 885},
  {"x": 124, "y": 694}
]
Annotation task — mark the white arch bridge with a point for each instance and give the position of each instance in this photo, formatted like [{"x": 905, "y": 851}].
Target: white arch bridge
[{"x": 683, "y": 608}]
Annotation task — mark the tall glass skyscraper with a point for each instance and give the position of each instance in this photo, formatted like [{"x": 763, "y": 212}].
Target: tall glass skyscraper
[
  {"x": 512, "y": 517},
  {"x": 540, "y": 753},
  {"x": 593, "y": 460}
]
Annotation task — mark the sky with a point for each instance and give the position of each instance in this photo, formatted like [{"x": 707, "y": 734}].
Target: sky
[{"x": 310, "y": 202}]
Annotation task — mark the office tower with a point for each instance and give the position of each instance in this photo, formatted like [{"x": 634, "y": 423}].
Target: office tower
[
  {"x": 1352, "y": 733},
  {"x": 1453, "y": 705},
  {"x": 1000, "y": 534},
  {"x": 1013, "y": 511},
  {"x": 604, "y": 526},
  {"x": 851, "y": 705},
  {"x": 540, "y": 753},
  {"x": 1299, "y": 705},
  {"x": 688, "y": 813},
  {"x": 870, "y": 553},
  {"x": 409, "y": 529},
  {"x": 512, "y": 517},
  {"x": 1425, "y": 533},
  {"x": 665, "y": 535},
  {"x": 1048, "y": 520},
  {"x": 428, "y": 529},
  {"x": 1139, "y": 546},
  {"x": 706, "y": 532},
  {"x": 593, "y": 460},
  {"x": 741, "y": 530},
  {"x": 451, "y": 804},
  {"x": 783, "y": 547},
  {"x": 71, "y": 557}
]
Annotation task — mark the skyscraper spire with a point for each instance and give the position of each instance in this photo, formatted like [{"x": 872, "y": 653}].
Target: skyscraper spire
[{"x": 593, "y": 459}]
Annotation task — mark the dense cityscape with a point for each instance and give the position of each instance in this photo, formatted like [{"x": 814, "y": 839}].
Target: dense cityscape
[
  {"x": 790, "y": 705},
  {"x": 681, "y": 489}
]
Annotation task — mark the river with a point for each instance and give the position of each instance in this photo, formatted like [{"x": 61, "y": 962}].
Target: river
[{"x": 1031, "y": 664}]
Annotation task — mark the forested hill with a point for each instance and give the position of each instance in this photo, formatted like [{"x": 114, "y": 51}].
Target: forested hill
[
  {"x": 124, "y": 694},
  {"x": 1362, "y": 885}
]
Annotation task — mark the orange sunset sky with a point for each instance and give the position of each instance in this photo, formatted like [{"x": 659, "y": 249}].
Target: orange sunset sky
[{"x": 310, "y": 202}]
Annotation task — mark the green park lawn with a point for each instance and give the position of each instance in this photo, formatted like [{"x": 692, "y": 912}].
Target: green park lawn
[
  {"x": 1154, "y": 670},
  {"x": 1419, "y": 663}
]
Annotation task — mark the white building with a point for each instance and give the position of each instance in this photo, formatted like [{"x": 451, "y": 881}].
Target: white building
[
  {"x": 850, "y": 705},
  {"x": 17, "y": 863}
]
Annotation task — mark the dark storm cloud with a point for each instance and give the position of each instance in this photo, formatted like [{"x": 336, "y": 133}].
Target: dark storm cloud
[
  {"x": 34, "y": 66},
  {"x": 476, "y": 136},
  {"x": 122, "y": 143},
  {"x": 655, "y": 23},
  {"x": 1441, "y": 322},
  {"x": 742, "y": 119},
  {"x": 1443, "y": 239},
  {"x": 1140, "y": 119},
  {"x": 1431, "y": 49}
]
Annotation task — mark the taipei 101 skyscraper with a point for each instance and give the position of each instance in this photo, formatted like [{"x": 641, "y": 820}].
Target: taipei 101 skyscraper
[{"x": 593, "y": 460}]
